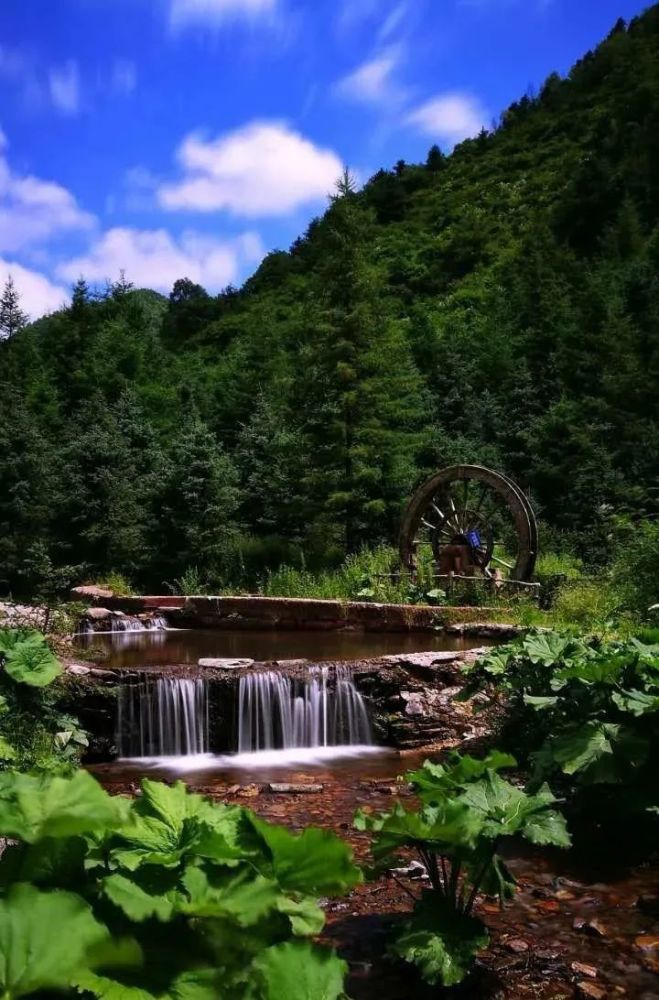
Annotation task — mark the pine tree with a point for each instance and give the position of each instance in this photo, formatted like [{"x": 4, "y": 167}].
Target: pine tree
[
  {"x": 12, "y": 317},
  {"x": 197, "y": 503},
  {"x": 361, "y": 398}
]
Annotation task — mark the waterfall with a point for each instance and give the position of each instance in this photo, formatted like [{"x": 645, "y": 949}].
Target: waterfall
[
  {"x": 279, "y": 712},
  {"x": 121, "y": 623},
  {"x": 126, "y": 623},
  {"x": 165, "y": 718}
]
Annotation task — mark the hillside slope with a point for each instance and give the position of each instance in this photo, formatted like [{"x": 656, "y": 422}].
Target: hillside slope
[{"x": 499, "y": 305}]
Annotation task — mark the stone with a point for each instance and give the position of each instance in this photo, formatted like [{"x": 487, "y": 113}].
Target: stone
[
  {"x": 415, "y": 870},
  {"x": 590, "y": 991},
  {"x": 414, "y": 704},
  {"x": 91, "y": 592},
  {"x": 594, "y": 927},
  {"x": 97, "y": 614},
  {"x": 647, "y": 942},
  {"x": 78, "y": 669},
  {"x": 249, "y": 791},
  {"x": 517, "y": 945},
  {"x": 225, "y": 663},
  {"x": 293, "y": 789},
  {"x": 580, "y": 969}
]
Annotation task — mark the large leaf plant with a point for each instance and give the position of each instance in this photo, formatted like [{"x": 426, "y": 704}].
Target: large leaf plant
[
  {"x": 168, "y": 897},
  {"x": 467, "y": 810},
  {"x": 588, "y": 710}
]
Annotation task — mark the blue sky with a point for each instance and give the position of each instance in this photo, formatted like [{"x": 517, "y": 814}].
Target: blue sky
[{"x": 178, "y": 138}]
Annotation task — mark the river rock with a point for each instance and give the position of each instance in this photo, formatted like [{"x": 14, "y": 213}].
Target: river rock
[
  {"x": 78, "y": 669},
  {"x": 224, "y": 663},
  {"x": 97, "y": 614},
  {"x": 292, "y": 789},
  {"x": 580, "y": 969},
  {"x": 590, "y": 991}
]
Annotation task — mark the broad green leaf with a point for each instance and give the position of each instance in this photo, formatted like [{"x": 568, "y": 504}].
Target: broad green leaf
[
  {"x": 636, "y": 702},
  {"x": 315, "y": 862},
  {"x": 444, "y": 827},
  {"x": 149, "y": 893},
  {"x": 305, "y": 916},
  {"x": 32, "y": 662},
  {"x": 578, "y": 747},
  {"x": 438, "y": 780},
  {"x": 547, "y": 648},
  {"x": 540, "y": 702},
  {"x": 33, "y": 808},
  {"x": 507, "y": 810},
  {"x": 298, "y": 970},
  {"x": 441, "y": 942},
  {"x": 240, "y": 896},
  {"x": 45, "y": 939}
]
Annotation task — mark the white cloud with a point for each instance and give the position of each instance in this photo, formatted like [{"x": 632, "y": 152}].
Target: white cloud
[
  {"x": 153, "y": 258},
  {"x": 395, "y": 19},
  {"x": 124, "y": 77},
  {"x": 450, "y": 117},
  {"x": 217, "y": 12},
  {"x": 64, "y": 84},
  {"x": 373, "y": 82},
  {"x": 33, "y": 210},
  {"x": 38, "y": 295},
  {"x": 262, "y": 169}
]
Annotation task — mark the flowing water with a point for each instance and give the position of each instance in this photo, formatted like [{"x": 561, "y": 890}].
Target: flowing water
[
  {"x": 168, "y": 717},
  {"x": 279, "y": 712},
  {"x": 125, "y": 625},
  {"x": 279, "y": 719}
]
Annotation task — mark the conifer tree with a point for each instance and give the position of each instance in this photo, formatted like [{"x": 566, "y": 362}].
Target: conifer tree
[
  {"x": 362, "y": 399},
  {"x": 12, "y": 317}
]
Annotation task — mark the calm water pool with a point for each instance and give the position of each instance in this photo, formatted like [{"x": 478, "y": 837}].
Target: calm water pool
[{"x": 172, "y": 646}]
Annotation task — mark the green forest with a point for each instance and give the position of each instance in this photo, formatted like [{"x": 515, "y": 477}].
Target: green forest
[{"x": 499, "y": 305}]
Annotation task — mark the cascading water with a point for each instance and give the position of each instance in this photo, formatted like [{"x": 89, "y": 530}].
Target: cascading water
[
  {"x": 123, "y": 623},
  {"x": 280, "y": 712},
  {"x": 168, "y": 717}
]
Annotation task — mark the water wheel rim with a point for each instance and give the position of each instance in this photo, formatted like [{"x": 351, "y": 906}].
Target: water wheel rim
[{"x": 514, "y": 498}]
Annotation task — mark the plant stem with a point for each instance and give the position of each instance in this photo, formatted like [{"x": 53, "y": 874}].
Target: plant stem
[{"x": 477, "y": 882}]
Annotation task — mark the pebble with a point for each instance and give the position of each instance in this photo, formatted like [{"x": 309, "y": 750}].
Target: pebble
[
  {"x": 517, "y": 946},
  {"x": 580, "y": 969},
  {"x": 592, "y": 926},
  {"x": 647, "y": 942}
]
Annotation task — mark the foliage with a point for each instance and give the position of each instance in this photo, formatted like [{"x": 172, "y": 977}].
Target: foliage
[
  {"x": 583, "y": 708},
  {"x": 467, "y": 810},
  {"x": 634, "y": 569},
  {"x": 167, "y": 896},
  {"x": 34, "y": 730}
]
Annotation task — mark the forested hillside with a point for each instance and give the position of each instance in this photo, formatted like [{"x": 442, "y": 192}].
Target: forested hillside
[{"x": 498, "y": 305}]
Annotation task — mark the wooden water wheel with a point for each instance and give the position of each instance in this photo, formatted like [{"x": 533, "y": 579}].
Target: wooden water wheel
[{"x": 473, "y": 522}]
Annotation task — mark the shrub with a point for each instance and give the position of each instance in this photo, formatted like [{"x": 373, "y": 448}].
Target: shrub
[{"x": 587, "y": 710}]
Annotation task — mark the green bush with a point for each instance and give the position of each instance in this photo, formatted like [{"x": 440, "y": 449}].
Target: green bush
[
  {"x": 635, "y": 570},
  {"x": 34, "y": 731},
  {"x": 467, "y": 810},
  {"x": 167, "y": 897},
  {"x": 584, "y": 710}
]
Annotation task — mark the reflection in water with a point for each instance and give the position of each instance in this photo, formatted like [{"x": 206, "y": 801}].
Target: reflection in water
[{"x": 176, "y": 646}]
